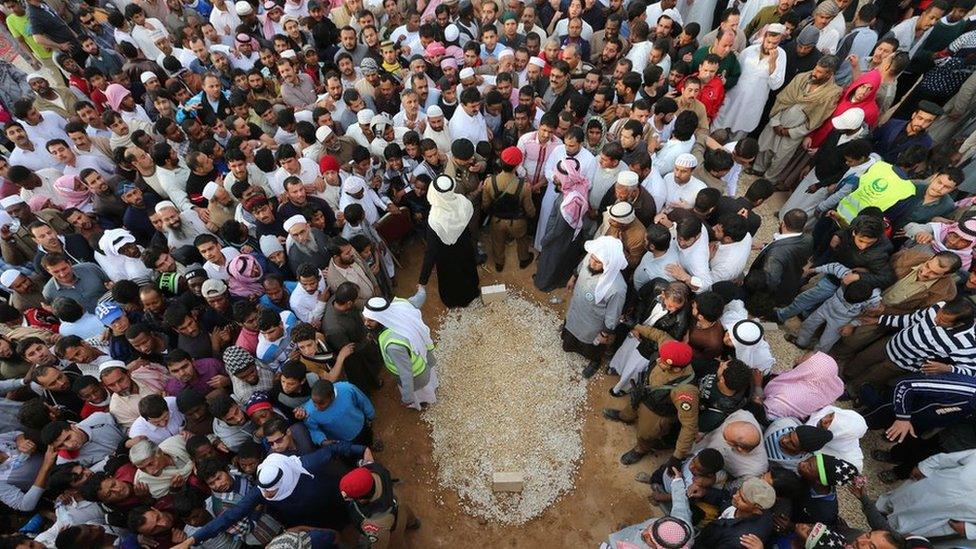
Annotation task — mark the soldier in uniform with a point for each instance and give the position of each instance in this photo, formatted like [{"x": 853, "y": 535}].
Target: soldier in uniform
[
  {"x": 372, "y": 504},
  {"x": 508, "y": 201},
  {"x": 667, "y": 397}
]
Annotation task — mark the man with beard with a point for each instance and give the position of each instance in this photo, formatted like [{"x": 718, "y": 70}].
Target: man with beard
[
  {"x": 896, "y": 136},
  {"x": 107, "y": 203},
  {"x": 24, "y": 292},
  {"x": 179, "y": 228},
  {"x": 437, "y": 130},
  {"x": 598, "y": 297},
  {"x": 306, "y": 244},
  {"x": 607, "y": 57},
  {"x": 296, "y": 201},
  {"x": 16, "y": 243},
  {"x": 801, "y": 107},
  {"x": 139, "y": 205},
  {"x": 58, "y": 100},
  {"x": 85, "y": 225},
  {"x": 128, "y": 387},
  {"x": 158, "y": 527}
]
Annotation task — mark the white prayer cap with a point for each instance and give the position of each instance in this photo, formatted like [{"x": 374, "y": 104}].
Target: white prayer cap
[
  {"x": 142, "y": 450},
  {"x": 506, "y": 53},
  {"x": 35, "y": 76},
  {"x": 434, "y": 111},
  {"x": 243, "y": 8},
  {"x": 11, "y": 200},
  {"x": 851, "y": 119},
  {"x": 109, "y": 365},
  {"x": 269, "y": 244},
  {"x": 364, "y": 116},
  {"x": 622, "y": 212},
  {"x": 627, "y": 178},
  {"x": 323, "y": 133},
  {"x": 147, "y": 76},
  {"x": 686, "y": 160},
  {"x": 209, "y": 190},
  {"x": 9, "y": 276},
  {"x": 537, "y": 61},
  {"x": 293, "y": 220},
  {"x": 289, "y": 54},
  {"x": 776, "y": 28},
  {"x": 747, "y": 331},
  {"x": 466, "y": 72},
  {"x": 451, "y": 32},
  {"x": 164, "y": 204},
  {"x": 353, "y": 184}
]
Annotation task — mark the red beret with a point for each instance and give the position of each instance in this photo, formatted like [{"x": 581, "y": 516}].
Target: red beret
[
  {"x": 512, "y": 156},
  {"x": 357, "y": 483},
  {"x": 678, "y": 352},
  {"x": 328, "y": 163}
]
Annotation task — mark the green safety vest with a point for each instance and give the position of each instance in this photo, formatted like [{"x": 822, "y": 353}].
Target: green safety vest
[
  {"x": 878, "y": 186},
  {"x": 418, "y": 364}
]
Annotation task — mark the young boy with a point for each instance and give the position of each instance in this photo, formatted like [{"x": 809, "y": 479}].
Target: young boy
[
  {"x": 702, "y": 470},
  {"x": 159, "y": 418},
  {"x": 274, "y": 341},
  {"x": 847, "y": 303},
  {"x": 339, "y": 411},
  {"x": 293, "y": 389}
]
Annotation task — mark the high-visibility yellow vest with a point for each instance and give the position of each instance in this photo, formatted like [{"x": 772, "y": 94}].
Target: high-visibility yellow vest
[
  {"x": 878, "y": 186},
  {"x": 417, "y": 363}
]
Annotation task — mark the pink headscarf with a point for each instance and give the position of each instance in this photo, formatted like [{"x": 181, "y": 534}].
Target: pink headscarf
[
  {"x": 575, "y": 189},
  {"x": 808, "y": 387},
  {"x": 244, "y": 276},
  {"x": 115, "y": 94},
  {"x": 70, "y": 197},
  {"x": 965, "y": 230}
]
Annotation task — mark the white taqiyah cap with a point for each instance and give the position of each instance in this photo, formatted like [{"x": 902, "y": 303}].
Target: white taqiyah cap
[
  {"x": 147, "y": 76},
  {"x": 9, "y": 276},
  {"x": 537, "y": 61},
  {"x": 11, "y": 200},
  {"x": 209, "y": 190},
  {"x": 364, "y": 116},
  {"x": 686, "y": 160},
  {"x": 163, "y": 204},
  {"x": 434, "y": 111},
  {"x": 851, "y": 119},
  {"x": 627, "y": 178},
  {"x": 293, "y": 220},
  {"x": 776, "y": 28},
  {"x": 323, "y": 133},
  {"x": 466, "y": 72}
]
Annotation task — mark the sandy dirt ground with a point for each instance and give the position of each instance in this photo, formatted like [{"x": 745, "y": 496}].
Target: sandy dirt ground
[{"x": 605, "y": 497}]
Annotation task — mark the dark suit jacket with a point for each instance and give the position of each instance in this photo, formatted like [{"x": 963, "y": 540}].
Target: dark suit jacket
[
  {"x": 783, "y": 261},
  {"x": 725, "y": 533}
]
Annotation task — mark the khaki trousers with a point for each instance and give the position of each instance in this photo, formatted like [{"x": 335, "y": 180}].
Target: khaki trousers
[
  {"x": 650, "y": 426},
  {"x": 504, "y": 229}
]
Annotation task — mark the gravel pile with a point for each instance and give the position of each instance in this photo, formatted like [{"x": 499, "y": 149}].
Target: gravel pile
[{"x": 510, "y": 400}]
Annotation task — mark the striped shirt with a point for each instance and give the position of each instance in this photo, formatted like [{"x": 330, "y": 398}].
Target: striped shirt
[{"x": 920, "y": 339}]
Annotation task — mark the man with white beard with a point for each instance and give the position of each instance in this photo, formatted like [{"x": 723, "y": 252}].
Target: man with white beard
[
  {"x": 306, "y": 244},
  {"x": 437, "y": 129},
  {"x": 180, "y": 228}
]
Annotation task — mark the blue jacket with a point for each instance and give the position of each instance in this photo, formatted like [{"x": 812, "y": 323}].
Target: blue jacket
[
  {"x": 343, "y": 419},
  {"x": 885, "y": 136},
  {"x": 315, "y": 501},
  {"x": 929, "y": 402}
]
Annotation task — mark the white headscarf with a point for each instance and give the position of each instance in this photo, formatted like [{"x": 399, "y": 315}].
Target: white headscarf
[
  {"x": 847, "y": 427},
  {"x": 610, "y": 252},
  {"x": 449, "y": 211},
  {"x": 755, "y": 354},
  {"x": 403, "y": 318},
  {"x": 290, "y": 470},
  {"x": 118, "y": 266}
]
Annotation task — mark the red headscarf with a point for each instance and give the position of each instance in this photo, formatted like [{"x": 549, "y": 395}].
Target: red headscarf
[{"x": 867, "y": 104}]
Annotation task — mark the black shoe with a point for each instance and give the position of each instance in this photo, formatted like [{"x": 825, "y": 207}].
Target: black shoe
[
  {"x": 615, "y": 393},
  {"x": 499, "y": 267},
  {"x": 591, "y": 369},
  {"x": 527, "y": 262},
  {"x": 414, "y": 525},
  {"x": 632, "y": 457},
  {"x": 613, "y": 414}
]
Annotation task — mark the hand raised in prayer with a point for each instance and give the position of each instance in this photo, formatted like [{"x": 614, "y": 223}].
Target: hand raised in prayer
[{"x": 900, "y": 430}]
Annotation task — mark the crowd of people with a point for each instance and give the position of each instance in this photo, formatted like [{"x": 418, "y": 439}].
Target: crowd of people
[{"x": 205, "y": 205}]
